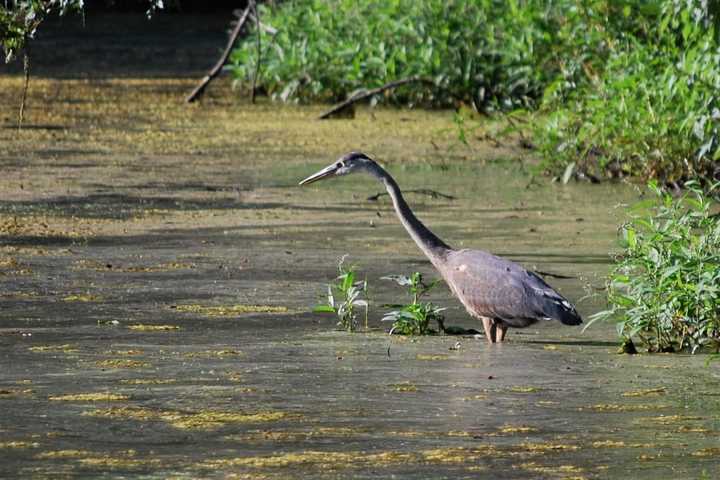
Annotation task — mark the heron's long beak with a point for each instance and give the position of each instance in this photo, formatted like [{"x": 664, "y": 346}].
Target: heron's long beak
[{"x": 325, "y": 172}]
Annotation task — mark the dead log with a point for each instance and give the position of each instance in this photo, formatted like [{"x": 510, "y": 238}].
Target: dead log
[
  {"x": 215, "y": 71},
  {"x": 369, "y": 93}
]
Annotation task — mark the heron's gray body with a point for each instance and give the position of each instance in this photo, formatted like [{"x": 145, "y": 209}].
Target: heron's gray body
[
  {"x": 493, "y": 287},
  {"x": 497, "y": 291}
]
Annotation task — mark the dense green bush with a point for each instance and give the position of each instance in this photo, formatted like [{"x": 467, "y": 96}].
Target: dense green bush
[
  {"x": 652, "y": 111},
  {"x": 489, "y": 53},
  {"x": 665, "y": 288}
]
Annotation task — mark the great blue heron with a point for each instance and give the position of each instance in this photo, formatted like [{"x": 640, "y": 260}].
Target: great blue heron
[{"x": 499, "y": 292}]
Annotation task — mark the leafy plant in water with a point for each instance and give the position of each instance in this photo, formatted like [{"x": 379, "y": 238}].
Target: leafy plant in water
[
  {"x": 344, "y": 296},
  {"x": 665, "y": 288},
  {"x": 413, "y": 318}
]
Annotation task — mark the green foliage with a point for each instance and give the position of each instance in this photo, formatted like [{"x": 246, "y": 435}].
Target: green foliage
[
  {"x": 19, "y": 19},
  {"x": 650, "y": 108},
  {"x": 344, "y": 296},
  {"x": 625, "y": 87},
  {"x": 413, "y": 318},
  {"x": 488, "y": 53},
  {"x": 665, "y": 289}
]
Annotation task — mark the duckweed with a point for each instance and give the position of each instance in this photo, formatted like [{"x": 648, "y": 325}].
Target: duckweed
[
  {"x": 153, "y": 328},
  {"x": 121, "y": 363},
  {"x": 90, "y": 397},
  {"x": 189, "y": 421},
  {"x": 66, "y": 348},
  {"x": 229, "y": 310}
]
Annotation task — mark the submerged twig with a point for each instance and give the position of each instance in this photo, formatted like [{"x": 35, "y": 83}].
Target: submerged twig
[
  {"x": 215, "y": 71},
  {"x": 422, "y": 191},
  {"x": 553, "y": 275},
  {"x": 374, "y": 91}
]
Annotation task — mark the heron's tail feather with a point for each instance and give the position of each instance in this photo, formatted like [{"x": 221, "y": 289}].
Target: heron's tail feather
[{"x": 563, "y": 311}]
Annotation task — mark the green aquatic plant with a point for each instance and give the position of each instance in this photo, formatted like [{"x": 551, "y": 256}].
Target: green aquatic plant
[
  {"x": 487, "y": 53},
  {"x": 414, "y": 318},
  {"x": 344, "y": 296},
  {"x": 650, "y": 107},
  {"x": 665, "y": 288}
]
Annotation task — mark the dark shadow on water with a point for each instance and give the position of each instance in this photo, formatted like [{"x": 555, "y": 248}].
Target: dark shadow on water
[
  {"x": 118, "y": 206},
  {"x": 40, "y": 241},
  {"x": 574, "y": 343},
  {"x": 35, "y": 127}
]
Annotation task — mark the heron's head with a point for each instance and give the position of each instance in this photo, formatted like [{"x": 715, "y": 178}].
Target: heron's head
[{"x": 344, "y": 165}]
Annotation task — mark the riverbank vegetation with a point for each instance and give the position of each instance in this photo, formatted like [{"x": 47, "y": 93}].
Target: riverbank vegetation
[
  {"x": 610, "y": 88},
  {"x": 665, "y": 287}
]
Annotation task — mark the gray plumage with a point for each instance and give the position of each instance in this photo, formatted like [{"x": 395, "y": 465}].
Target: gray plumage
[
  {"x": 497, "y": 291},
  {"x": 490, "y": 286}
]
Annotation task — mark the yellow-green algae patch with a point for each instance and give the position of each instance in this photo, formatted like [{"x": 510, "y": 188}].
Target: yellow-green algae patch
[
  {"x": 10, "y": 266},
  {"x": 707, "y": 452},
  {"x": 19, "y": 444},
  {"x": 15, "y": 392},
  {"x": 692, "y": 429},
  {"x": 81, "y": 297},
  {"x": 90, "y": 397},
  {"x": 667, "y": 419},
  {"x": 214, "y": 353},
  {"x": 121, "y": 363},
  {"x": 148, "y": 381},
  {"x": 421, "y": 356},
  {"x": 62, "y": 454},
  {"x": 479, "y": 396},
  {"x": 614, "y": 407},
  {"x": 456, "y": 454},
  {"x": 66, "y": 348},
  {"x": 124, "y": 352},
  {"x": 545, "y": 447},
  {"x": 404, "y": 387},
  {"x": 153, "y": 328},
  {"x": 645, "y": 393},
  {"x": 318, "y": 459},
  {"x": 229, "y": 310},
  {"x": 512, "y": 429},
  {"x": 297, "y": 435},
  {"x": 356, "y": 459},
  {"x": 620, "y": 444},
  {"x": 520, "y": 389},
  {"x": 199, "y": 420},
  {"x": 108, "y": 461}
]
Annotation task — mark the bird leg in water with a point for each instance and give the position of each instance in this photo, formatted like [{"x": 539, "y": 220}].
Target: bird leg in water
[
  {"x": 490, "y": 329},
  {"x": 501, "y": 331}
]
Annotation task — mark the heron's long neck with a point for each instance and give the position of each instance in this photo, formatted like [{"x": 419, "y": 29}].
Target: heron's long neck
[{"x": 434, "y": 248}]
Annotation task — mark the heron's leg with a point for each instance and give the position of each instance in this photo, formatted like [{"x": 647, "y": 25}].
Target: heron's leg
[
  {"x": 501, "y": 331},
  {"x": 490, "y": 329}
]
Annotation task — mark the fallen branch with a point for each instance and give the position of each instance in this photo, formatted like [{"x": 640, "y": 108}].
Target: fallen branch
[
  {"x": 552, "y": 275},
  {"x": 369, "y": 93},
  {"x": 422, "y": 191},
  {"x": 215, "y": 71}
]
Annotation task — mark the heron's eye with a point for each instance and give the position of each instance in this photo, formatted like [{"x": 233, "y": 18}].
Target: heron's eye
[{"x": 339, "y": 165}]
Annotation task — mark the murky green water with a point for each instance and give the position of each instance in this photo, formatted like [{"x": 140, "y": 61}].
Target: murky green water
[{"x": 156, "y": 318}]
